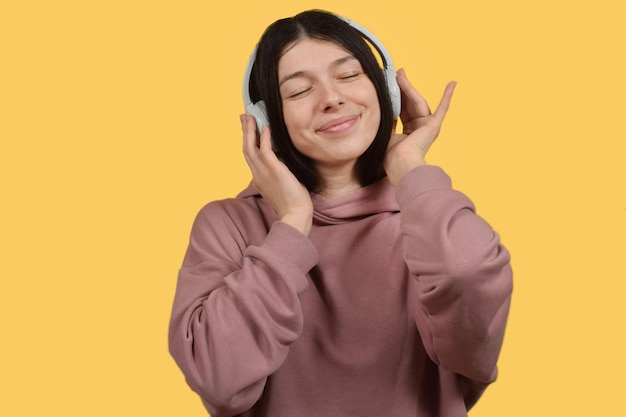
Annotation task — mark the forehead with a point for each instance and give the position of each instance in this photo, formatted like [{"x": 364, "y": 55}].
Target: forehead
[{"x": 309, "y": 54}]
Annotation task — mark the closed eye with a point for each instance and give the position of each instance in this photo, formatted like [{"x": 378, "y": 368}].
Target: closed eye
[
  {"x": 299, "y": 93},
  {"x": 350, "y": 76}
]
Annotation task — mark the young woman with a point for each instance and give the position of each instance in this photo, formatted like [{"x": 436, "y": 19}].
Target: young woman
[{"x": 349, "y": 278}]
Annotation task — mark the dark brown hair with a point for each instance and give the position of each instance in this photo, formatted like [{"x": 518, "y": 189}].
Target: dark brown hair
[{"x": 317, "y": 24}]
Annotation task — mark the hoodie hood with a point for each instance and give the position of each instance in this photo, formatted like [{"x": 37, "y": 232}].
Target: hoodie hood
[{"x": 375, "y": 198}]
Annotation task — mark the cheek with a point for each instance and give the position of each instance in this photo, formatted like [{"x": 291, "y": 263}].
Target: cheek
[
  {"x": 368, "y": 95},
  {"x": 293, "y": 120},
  {"x": 288, "y": 116},
  {"x": 375, "y": 116}
]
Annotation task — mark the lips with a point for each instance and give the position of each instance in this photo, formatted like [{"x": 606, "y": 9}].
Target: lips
[{"x": 339, "y": 124}]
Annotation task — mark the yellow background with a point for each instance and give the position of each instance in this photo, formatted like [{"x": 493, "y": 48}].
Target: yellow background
[{"x": 119, "y": 120}]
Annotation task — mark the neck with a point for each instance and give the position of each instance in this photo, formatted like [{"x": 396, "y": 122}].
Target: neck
[{"x": 335, "y": 184}]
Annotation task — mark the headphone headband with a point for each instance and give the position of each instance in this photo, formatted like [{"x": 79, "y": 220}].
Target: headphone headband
[
  {"x": 258, "y": 109},
  {"x": 382, "y": 51}
]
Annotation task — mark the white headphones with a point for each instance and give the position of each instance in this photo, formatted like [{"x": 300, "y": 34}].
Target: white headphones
[{"x": 258, "y": 109}]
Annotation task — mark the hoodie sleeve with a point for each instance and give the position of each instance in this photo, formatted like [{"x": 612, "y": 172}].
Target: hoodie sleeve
[
  {"x": 236, "y": 308},
  {"x": 463, "y": 278}
]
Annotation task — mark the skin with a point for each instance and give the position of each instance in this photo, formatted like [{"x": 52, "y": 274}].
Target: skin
[
  {"x": 330, "y": 108},
  {"x": 332, "y": 115}
]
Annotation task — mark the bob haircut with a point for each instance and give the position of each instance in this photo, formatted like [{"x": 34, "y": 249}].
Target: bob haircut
[{"x": 322, "y": 25}]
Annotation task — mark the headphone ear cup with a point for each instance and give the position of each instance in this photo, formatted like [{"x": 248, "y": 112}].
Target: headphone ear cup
[
  {"x": 259, "y": 112},
  {"x": 394, "y": 90}
]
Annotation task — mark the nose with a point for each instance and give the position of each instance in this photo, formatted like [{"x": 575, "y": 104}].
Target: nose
[{"x": 331, "y": 98}]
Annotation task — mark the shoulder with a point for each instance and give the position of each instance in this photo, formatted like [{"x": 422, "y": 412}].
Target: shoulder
[
  {"x": 237, "y": 210},
  {"x": 248, "y": 203},
  {"x": 243, "y": 217}
]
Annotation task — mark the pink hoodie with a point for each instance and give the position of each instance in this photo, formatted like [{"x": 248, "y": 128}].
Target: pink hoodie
[{"x": 394, "y": 305}]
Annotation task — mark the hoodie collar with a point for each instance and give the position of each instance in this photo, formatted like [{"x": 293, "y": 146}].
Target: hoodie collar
[{"x": 375, "y": 198}]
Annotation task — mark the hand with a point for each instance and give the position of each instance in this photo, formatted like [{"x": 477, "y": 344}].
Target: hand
[
  {"x": 420, "y": 129},
  {"x": 279, "y": 187}
]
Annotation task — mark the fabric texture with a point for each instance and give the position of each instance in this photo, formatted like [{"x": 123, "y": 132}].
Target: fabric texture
[{"x": 394, "y": 305}]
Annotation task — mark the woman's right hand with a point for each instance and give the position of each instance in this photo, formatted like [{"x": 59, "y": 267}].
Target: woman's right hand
[{"x": 271, "y": 177}]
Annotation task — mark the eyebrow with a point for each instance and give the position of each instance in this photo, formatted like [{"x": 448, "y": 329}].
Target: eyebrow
[{"x": 337, "y": 62}]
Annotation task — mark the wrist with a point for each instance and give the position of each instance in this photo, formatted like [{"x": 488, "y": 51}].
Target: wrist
[
  {"x": 300, "y": 222},
  {"x": 400, "y": 168}
]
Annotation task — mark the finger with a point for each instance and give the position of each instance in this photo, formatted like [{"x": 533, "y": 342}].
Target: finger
[
  {"x": 444, "y": 104},
  {"x": 250, "y": 137},
  {"x": 265, "y": 141},
  {"x": 413, "y": 104},
  {"x": 250, "y": 148}
]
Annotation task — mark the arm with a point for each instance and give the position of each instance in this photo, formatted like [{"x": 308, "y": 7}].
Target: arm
[
  {"x": 236, "y": 309},
  {"x": 463, "y": 278}
]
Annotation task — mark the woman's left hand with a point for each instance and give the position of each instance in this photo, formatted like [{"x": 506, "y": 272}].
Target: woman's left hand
[{"x": 420, "y": 129}]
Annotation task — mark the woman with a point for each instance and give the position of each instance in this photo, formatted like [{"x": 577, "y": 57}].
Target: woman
[{"x": 349, "y": 278}]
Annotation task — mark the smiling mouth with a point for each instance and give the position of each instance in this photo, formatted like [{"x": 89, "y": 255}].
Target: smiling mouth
[{"x": 338, "y": 125}]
